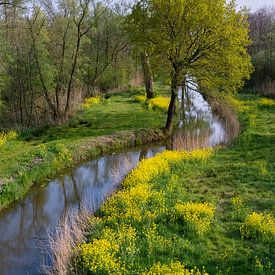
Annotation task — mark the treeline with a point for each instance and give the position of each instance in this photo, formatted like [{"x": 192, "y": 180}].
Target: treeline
[
  {"x": 262, "y": 51},
  {"x": 55, "y": 53}
]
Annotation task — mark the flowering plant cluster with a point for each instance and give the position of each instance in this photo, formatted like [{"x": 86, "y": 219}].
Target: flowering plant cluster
[
  {"x": 258, "y": 225},
  {"x": 128, "y": 227},
  {"x": 5, "y": 137},
  {"x": 174, "y": 268},
  {"x": 198, "y": 216},
  {"x": 266, "y": 102},
  {"x": 89, "y": 102},
  {"x": 159, "y": 102}
]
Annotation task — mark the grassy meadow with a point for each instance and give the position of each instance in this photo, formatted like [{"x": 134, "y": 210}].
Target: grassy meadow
[
  {"x": 32, "y": 156},
  {"x": 207, "y": 211}
]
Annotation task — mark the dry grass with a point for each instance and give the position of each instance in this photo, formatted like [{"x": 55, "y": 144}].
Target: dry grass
[
  {"x": 70, "y": 232},
  {"x": 190, "y": 140}
]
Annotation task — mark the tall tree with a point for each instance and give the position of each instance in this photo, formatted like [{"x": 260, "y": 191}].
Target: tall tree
[
  {"x": 147, "y": 73},
  {"x": 134, "y": 27},
  {"x": 205, "y": 39}
]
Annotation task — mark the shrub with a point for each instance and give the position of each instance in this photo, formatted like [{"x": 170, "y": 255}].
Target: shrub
[{"x": 159, "y": 102}]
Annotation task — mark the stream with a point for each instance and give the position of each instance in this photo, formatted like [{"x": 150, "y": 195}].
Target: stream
[{"x": 24, "y": 227}]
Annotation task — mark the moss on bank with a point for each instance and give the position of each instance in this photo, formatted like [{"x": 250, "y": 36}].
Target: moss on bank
[{"x": 194, "y": 209}]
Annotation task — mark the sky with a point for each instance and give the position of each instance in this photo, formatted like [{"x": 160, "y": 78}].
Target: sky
[{"x": 255, "y": 4}]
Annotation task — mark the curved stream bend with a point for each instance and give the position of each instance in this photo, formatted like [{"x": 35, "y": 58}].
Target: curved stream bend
[{"x": 24, "y": 225}]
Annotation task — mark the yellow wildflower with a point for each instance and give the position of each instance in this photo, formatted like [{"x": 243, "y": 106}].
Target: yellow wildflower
[
  {"x": 89, "y": 102},
  {"x": 266, "y": 102},
  {"x": 198, "y": 215},
  {"x": 258, "y": 224},
  {"x": 140, "y": 98},
  {"x": 5, "y": 137},
  {"x": 99, "y": 256},
  {"x": 174, "y": 268},
  {"x": 159, "y": 102}
]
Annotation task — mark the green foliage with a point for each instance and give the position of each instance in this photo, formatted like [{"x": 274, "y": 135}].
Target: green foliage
[
  {"x": 37, "y": 154},
  {"x": 262, "y": 49},
  {"x": 205, "y": 39},
  {"x": 52, "y": 55},
  {"x": 168, "y": 198}
]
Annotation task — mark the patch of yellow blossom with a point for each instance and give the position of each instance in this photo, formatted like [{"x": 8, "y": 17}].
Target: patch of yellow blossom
[
  {"x": 262, "y": 165},
  {"x": 258, "y": 224},
  {"x": 147, "y": 169},
  {"x": 174, "y": 268},
  {"x": 139, "y": 202},
  {"x": 266, "y": 102},
  {"x": 234, "y": 102},
  {"x": 127, "y": 204},
  {"x": 140, "y": 98},
  {"x": 155, "y": 242},
  {"x": 5, "y": 137},
  {"x": 109, "y": 253},
  {"x": 99, "y": 256},
  {"x": 197, "y": 215},
  {"x": 159, "y": 102},
  {"x": 89, "y": 102}
]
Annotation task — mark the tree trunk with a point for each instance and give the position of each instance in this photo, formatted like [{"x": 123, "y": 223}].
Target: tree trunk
[
  {"x": 172, "y": 105},
  {"x": 148, "y": 78}
]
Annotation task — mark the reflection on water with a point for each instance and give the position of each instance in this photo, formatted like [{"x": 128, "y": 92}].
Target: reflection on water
[
  {"x": 26, "y": 224},
  {"x": 198, "y": 126}
]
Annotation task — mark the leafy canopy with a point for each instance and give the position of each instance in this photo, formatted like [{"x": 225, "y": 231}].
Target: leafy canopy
[{"x": 206, "y": 39}]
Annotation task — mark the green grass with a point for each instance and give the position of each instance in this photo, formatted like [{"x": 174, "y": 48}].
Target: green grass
[
  {"x": 120, "y": 112},
  {"x": 37, "y": 154},
  {"x": 244, "y": 173}
]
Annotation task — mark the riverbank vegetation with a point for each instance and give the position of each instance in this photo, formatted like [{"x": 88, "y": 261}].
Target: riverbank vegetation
[
  {"x": 71, "y": 74},
  {"x": 187, "y": 40},
  {"x": 36, "y": 154},
  {"x": 262, "y": 51},
  {"x": 211, "y": 210}
]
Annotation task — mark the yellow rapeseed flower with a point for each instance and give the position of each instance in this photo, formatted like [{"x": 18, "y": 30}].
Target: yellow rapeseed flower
[
  {"x": 198, "y": 215},
  {"x": 159, "y": 102},
  {"x": 99, "y": 256},
  {"x": 258, "y": 224},
  {"x": 266, "y": 102},
  {"x": 5, "y": 137},
  {"x": 140, "y": 98},
  {"x": 174, "y": 268},
  {"x": 89, "y": 102}
]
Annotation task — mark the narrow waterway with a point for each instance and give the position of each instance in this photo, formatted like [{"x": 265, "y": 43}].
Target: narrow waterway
[{"x": 24, "y": 227}]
